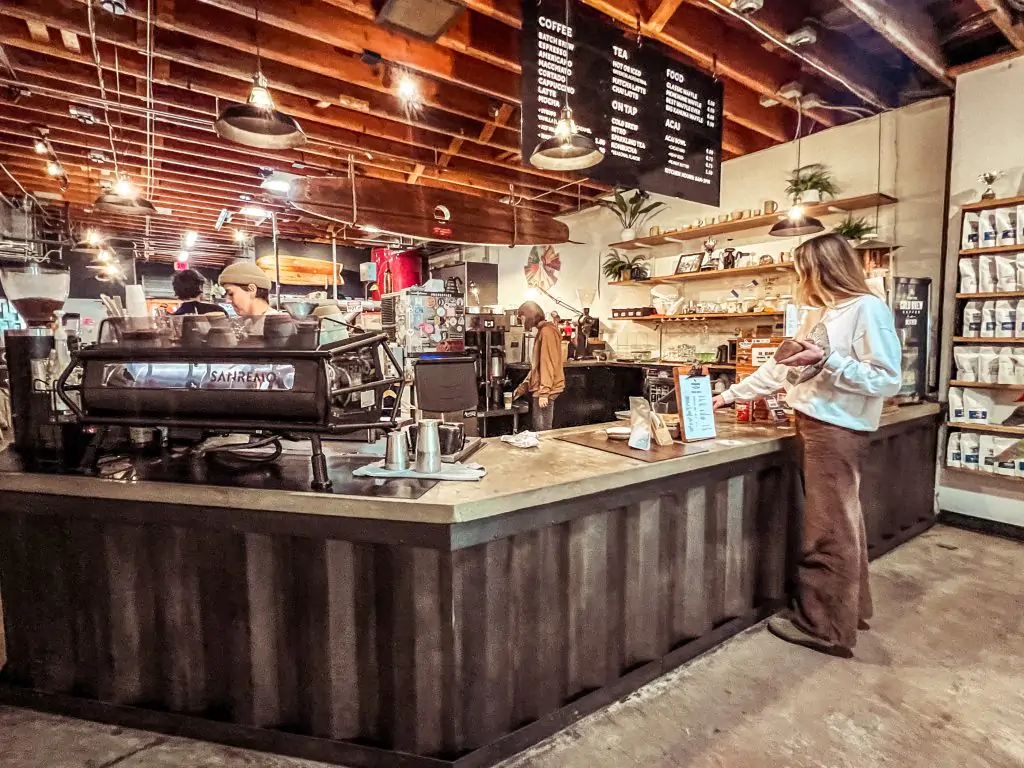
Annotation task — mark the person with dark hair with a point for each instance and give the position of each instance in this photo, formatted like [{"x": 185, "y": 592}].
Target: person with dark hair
[
  {"x": 837, "y": 370},
  {"x": 188, "y": 286}
]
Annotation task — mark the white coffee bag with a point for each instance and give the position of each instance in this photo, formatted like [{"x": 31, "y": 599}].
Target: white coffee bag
[
  {"x": 1007, "y": 367},
  {"x": 1018, "y": 263},
  {"x": 988, "y": 365},
  {"x": 969, "y": 275},
  {"x": 1006, "y": 272},
  {"x": 987, "y": 229},
  {"x": 1020, "y": 224},
  {"x": 988, "y": 320},
  {"x": 956, "y": 405},
  {"x": 966, "y": 363},
  {"x": 1005, "y": 465},
  {"x": 1006, "y": 319},
  {"x": 972, "y": 319},
  {"x": 969, "y": 237},
  {"x": 986, "y": 273},
  {"x": 978, "y": 405},
  {"x": 1017, "y": 354},
  {"x": 1006, "y": 226},
  {"x": 987, "y": 453},
  {"x": 970, "y": 450},
  {"x": 954, "y": 458},
  {"x": 1019, "y": 333}
]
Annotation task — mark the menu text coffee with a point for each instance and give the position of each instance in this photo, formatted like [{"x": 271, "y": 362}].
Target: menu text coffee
[{"x": 659, "y": 122}]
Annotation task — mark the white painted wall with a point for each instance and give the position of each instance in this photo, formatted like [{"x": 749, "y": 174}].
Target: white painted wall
[
  {"x": 911, "y": 166},
  {"x": 986, "y": 136}
]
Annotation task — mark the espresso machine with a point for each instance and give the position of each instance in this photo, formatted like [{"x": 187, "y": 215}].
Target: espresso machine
[
  {"x": 485, "y": 338},
  {"x": 46, "y": 434}
]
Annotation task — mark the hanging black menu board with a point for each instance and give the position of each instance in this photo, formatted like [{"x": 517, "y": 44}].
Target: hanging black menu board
[{"x": 659, "y": 122}]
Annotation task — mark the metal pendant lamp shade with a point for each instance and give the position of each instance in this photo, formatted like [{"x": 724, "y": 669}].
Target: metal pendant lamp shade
[
  {"x": 796, "y": 226},
  {"x": 257, "y": 123},
  {"x": 567, "y": 150},
  {"x": 111, "y": 202}
]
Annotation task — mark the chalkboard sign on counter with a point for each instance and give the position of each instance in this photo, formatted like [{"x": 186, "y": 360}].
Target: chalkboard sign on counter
[{"x": 658, "y": 121}]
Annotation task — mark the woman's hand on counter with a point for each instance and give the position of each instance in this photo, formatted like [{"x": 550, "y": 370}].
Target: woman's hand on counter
[{"x": 718, "y": 402}]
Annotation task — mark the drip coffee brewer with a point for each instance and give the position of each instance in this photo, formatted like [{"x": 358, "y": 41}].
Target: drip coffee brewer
[{"x": 45, "y": 432}]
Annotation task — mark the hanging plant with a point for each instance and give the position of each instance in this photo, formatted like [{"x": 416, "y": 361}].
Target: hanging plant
[
  {"x": 633, "y": 213},
  {"x": 815, "y": 177},
  {"x": 854, "y": 229}
]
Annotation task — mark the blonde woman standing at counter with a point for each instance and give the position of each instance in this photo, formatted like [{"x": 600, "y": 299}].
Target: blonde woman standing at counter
[{"x": 843, "y": 363}]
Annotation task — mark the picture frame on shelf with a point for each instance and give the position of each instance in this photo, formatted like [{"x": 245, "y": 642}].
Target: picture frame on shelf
[{"x": 688, "y": 262}]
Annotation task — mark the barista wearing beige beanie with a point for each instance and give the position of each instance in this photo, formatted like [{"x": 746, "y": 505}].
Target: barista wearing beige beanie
[{"x": 248, "y": 289}]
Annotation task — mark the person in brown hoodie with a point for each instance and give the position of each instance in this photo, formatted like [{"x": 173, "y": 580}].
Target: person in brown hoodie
[{"x": 546, "y": 380}]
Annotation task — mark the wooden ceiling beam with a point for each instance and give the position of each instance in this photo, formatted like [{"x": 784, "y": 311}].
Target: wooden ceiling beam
[
  {"x": 1012, "y": 29},
  {"x": 416, "y": 173},
  {"x": 661, "y": 15},
  {"x": 38, "y": 31},
  {"x": 356, "y": 134},
  {"x": 909, "y": 29},
  {"x": 832, "y": 52},
  {"x": 317, "y": 20}
]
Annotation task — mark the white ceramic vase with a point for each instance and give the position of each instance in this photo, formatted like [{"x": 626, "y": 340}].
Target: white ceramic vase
[{"x": 628, "y": 234}]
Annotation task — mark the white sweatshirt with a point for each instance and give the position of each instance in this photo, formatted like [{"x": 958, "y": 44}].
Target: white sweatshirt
[{"x": 863, "y": 368}]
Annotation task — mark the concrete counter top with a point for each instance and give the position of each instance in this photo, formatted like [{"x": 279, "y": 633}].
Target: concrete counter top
[{"x": 517, "y": 479}]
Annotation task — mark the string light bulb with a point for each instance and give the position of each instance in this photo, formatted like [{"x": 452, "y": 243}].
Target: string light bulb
[
  {"x": 40, "y": 147},
  {"x": 93, "y": 238},
  {"x": 53, "y": 168},
  {"x": 123, "y": 187},
  {"x": 104, "y": 257},
  {"x": 240, "y": 236},
  {"x": 408, "y": 90},
  {"x": 191, "y": 238}
]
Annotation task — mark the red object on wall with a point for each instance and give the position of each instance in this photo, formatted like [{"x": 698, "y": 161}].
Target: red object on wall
[{"x": 396, "y": 270}]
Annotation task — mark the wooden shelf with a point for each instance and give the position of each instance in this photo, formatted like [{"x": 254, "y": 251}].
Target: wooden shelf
[
  {"x": 705, "y": 316},
  {"x": 987, "y": 205},
  {"x": 982, "y": 473},
  {"x": 980, "y": 385},
  {"x": 760, "y": 269},
  {"x": 720, "y": 366},
  {"x": 627, "y": 283},
  {"x": 992, "y": 295},
  {"x": 846, "y": 205},
  {"x": 997, "y": 429},
  {"x": 988, "y": 341},
  {"x": 994, "y": 249}
]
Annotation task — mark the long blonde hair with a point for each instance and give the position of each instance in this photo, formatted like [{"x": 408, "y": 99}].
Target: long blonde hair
[{"x": 828, "y": 271}]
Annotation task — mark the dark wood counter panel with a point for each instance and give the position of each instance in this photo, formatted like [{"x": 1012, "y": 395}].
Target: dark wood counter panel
[{"x": 384, "y": 641}]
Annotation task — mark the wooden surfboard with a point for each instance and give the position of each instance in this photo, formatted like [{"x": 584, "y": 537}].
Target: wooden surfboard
[
  {"x": 300, "y": 270},
  {"x": 426, "y": 213}
]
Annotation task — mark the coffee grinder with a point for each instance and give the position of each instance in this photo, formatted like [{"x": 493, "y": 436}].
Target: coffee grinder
[
  {"x": 485, "y": 337},
  {"x": 587, "y": 327},
  {"x": 46, "y": 433}
]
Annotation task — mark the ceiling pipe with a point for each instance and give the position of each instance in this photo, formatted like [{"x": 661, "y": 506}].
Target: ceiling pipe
[
  {"x": 861, "y": 93},
  {"x": 913, "y": 40}
]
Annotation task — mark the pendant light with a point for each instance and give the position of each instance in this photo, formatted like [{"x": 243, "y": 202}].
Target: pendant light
[
  {"x": 567, "y": 149},
  {"x": 257, "y": 123},
  {"x": 797, "y": 222}
]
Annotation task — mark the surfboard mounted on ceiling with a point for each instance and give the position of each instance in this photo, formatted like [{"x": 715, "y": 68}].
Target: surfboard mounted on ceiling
[
  {"x": 426, "y": 213},
  {"x": 301, "y": 270}
]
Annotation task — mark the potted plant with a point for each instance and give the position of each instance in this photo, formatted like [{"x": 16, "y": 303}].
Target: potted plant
[
  {"x": 811, "y": 184},
  {"x": 854, "y": 229},
  {"x": 632, "y": 213},
  {"x": 617, "y": 267}
]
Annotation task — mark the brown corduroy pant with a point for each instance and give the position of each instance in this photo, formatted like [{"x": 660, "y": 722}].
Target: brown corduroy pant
[{"x": 832, "y": 590}]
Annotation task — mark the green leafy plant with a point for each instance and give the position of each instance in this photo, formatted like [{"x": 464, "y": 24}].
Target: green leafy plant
[
  {"x": 815, "y": 176},
  {"x": 633, "y": 212},
  {"x": 854, "y": 229},
  {"x": 618, "y": 267}
]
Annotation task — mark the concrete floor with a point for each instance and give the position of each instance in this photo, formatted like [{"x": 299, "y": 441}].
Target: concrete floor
[{"x": 938, "y": 683}]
